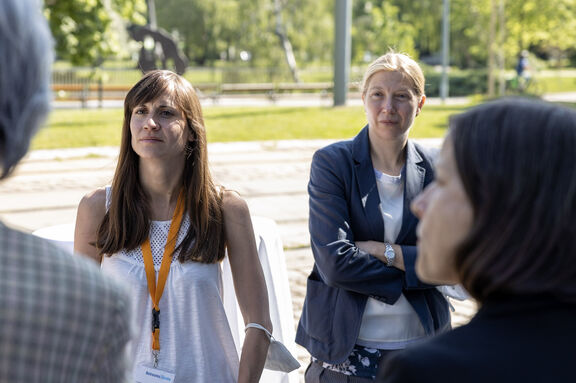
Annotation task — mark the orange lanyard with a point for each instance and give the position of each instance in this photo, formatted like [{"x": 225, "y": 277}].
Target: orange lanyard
[{"x": 156, "y": 290}]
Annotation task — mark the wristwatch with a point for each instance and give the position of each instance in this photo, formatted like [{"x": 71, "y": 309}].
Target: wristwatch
[{"x": 390, "y": 254}]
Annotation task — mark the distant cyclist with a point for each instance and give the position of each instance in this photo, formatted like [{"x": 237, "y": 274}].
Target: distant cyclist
[{"x": 523, "y": 70}]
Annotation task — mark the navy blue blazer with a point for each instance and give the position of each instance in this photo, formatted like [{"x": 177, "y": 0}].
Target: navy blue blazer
[
  {"x": 528, "y": 339},
  {"x": 344, "y": 208}
]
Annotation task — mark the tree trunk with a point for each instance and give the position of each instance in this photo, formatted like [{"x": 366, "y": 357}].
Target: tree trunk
[
  {"x": 491, "y": 58},
  {"x": 501, "y": 42},
  {"x": 285, "y": 42}
]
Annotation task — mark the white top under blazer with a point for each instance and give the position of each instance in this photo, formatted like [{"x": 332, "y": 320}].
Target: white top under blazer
[{"x": 384, "y": 326}]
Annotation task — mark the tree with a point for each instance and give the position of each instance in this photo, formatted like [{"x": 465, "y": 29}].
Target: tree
[
  {"x": 280, "y": 31},
  {"x": 206, "y": 28},
  {"x": 378, "y": 26},
  {"x": 211, "y": 30},
  {"x": 83, "y": 30},
  {"x": 470, "y": 24},
  {"x": 245, "y": 32},
  {"x": 425, "y": 16},
  {"x": 541, "y": 25},
  {"x": 537, "y": 25},
  {"x": 310, "y": 27}
]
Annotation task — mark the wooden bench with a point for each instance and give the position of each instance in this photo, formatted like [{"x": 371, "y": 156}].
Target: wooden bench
[{"x": 89, "y": 91}]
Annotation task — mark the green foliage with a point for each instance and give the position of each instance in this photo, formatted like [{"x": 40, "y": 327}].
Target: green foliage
[
  {"x": 532, "y": 22},
  {"x": 310, "y": 27},
  {"x": 469, "y": 26},
  {"x": 214, "y": 31},
  {"x": 461, "y": 82},
  {"x": 83, "y": 30},
  {"x": 543, "y": 26},
  {"x": 426, "y": 18},
  {"x": 378, "y": 27},
  {"x": 204, "y": 26},
  {"x": 227, "y": 29}
]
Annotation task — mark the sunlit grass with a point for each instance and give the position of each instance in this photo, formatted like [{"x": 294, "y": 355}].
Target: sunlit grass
[
  {"x": 74, "y": 128},
  {"x": 70, "y": 128}
]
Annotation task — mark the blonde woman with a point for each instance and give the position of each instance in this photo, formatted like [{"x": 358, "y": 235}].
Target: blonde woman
[{"x": 363, "y": 298}]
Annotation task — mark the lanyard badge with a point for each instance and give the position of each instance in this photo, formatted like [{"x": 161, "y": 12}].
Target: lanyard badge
[{"x": 157, "y": 288}]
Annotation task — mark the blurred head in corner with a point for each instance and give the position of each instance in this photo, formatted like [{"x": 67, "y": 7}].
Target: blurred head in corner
[{"x": 26, "y": 55}]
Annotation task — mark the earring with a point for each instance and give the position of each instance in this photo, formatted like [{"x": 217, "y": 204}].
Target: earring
[{"x": 190, "y": 145}]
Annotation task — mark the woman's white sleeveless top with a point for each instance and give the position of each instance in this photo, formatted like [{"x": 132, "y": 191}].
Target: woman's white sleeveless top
[{"x": 195, "y": 338}]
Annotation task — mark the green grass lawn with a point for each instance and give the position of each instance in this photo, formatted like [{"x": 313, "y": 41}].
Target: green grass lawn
[{"x": 70, "y": 128}]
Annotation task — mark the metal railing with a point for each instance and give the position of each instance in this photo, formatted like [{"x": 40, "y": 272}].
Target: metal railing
[{"x": 87, "y": 84}]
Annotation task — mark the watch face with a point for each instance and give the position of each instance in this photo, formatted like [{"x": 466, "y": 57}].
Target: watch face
[{"x": 389, "y": 254}]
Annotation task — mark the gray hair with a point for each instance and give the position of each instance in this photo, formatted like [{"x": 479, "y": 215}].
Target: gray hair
[{"x": 26, "y": 55}]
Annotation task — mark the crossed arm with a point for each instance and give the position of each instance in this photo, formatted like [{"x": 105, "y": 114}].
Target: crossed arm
[{"x": 346, "y": 256}]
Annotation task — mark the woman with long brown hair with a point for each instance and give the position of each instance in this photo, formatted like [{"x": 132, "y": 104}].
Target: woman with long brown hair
[{"x": 163, "y": 215}]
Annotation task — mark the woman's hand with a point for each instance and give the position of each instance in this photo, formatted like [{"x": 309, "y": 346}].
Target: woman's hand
[{"x": 377, "y": 250}]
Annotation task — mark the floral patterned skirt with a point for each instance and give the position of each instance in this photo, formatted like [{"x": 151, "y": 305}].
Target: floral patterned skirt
[{"x": 363, "y": 362}]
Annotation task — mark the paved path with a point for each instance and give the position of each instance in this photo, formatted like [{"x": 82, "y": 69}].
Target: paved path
[
  {"x": 286, "y": 100},
  {"x": 271, "y": 176}
]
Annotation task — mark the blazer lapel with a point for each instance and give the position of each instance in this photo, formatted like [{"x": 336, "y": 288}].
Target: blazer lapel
[
  {"x": 414, "y": 175},
  {"x": 366, "y": 181}
]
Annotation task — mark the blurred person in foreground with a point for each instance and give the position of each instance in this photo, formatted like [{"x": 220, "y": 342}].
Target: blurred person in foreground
[
  {"x": 60, "y": 319},
  {"x": 163, "y": 227},
  {"x": 363, "y": 299},
  {"x": 499, "y": 218}
]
